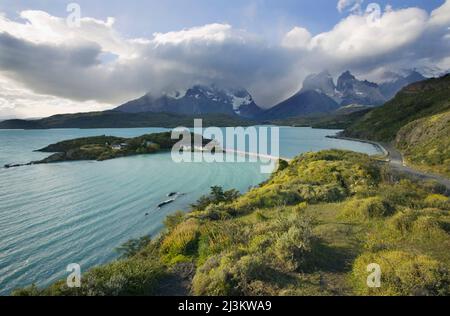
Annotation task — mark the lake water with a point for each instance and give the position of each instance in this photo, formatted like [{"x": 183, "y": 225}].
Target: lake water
[{"x": 79, "y": 212}]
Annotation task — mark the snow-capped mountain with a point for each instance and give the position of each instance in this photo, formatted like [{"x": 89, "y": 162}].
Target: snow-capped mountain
[
  {"x": 349, "y": 90},
  {"x": 196, "y": 101}
]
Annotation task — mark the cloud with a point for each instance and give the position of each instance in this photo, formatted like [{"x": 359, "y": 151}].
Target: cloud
[
  {"x": 395, "y": 39},
  {"x": 298, "y": 37},
  {"x": 71, "y": 67},
  {"x": 94, "y": 65},
  {"x": 16, "y": 100},
  {"x": 351, "y": 5}
]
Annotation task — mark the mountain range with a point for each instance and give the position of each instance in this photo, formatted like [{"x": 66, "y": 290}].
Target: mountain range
[
  {"x": 318, "y": 96},
  {"x": 197, "y": 100}
]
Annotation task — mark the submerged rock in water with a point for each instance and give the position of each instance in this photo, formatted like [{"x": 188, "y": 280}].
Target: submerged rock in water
[{"x": 166, "y": 202}]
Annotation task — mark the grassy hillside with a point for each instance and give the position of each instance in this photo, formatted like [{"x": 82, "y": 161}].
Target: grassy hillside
[
  {"x": 417, "y": 101},
  {"x": 311, "y": 229},
  {"x": 113, "y": 119},
  {"x": 426, "y": 143}
]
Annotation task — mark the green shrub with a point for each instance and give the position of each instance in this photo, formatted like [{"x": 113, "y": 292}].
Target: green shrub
[
  {"x": 366, "y": 208},
  {"x": 416, "y": 225},
  {"x": 404, "y": 193},
  {"x": 181, "y": 241},
  {"x": 120, "y": 278},
  {"x": 31, "y": 290},
  {"x": 217, "y": 195},
  {"x": 220, "y": 236},
  {"x": 438, "y": 200},
  {"x": 402, "y": 274},
  {"x": 229, "y": 274},
  {"x": 219, "y": 211},
  {"x": 260, "y": 216},
  {"x": 173, "y": 220},
  {"x": 293, "y": 246},
  {"x": 133, "y": 246},
  {"x": 123, "y": 278},
  {"x": 261, "y": 243}
]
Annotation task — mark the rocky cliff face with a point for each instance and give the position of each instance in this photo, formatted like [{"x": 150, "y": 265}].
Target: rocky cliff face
[{"x": 354, "y": 91}]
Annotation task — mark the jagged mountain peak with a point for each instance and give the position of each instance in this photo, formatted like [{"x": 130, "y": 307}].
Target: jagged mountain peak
[
  {"x": 347, "y": 75},
  {"x": 198, "y": 99},
  {"x": 356, "y": 91}
]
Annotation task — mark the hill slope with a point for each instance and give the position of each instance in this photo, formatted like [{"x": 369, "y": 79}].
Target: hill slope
[
  {"x": 278, "y": 238},
  {"x": 418, "y": 120},
  {"x": 426, "y": 143},
  {"x": 115, "y": 119},
  {"x": 302, "y": 104},
  {"x": 414, "y": 102}
]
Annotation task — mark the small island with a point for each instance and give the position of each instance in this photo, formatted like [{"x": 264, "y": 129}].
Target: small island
[{"x": 104, "y": 147}]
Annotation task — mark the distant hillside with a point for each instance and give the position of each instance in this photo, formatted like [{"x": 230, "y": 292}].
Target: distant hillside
[
  {"x": 302, "y": 104},
  {"x": 426, "y": 143},
  {"x": 114, "y": 119},
  {"x": 336, "y": 120},
  {"x": 390, "y": 88},
  {"x": 417, "y": 101},
  {"x": 418, "y": 119}
]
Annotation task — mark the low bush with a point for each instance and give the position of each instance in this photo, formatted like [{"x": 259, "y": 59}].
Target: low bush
[
  {"x": 293, "y": 243},
  {"x": 120, "y": 278},
  {"x": 402, "y": 274},
  {"x": 366, "y": 208},
  {"x": 173, "y": 220},
  {"x": 128, "y": 277},
  {"x": 181, "y": 242},
  {"x": 231, "y": 274},
  {"x": 217, "y": 195},
  {"x": 438, "y": 201},
  {"x": 416, "y": 225},
  {"x": 404, "y": 193}
]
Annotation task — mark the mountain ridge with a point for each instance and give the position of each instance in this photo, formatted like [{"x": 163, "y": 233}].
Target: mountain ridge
[
  {"x": 318, "y": 96},
  {"x": 115, "y": 119},
  {"x": 303, "y": 103},
  {"x": 197, "y": 100}
]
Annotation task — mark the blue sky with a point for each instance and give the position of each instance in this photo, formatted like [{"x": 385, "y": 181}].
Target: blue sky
[
  {"x": 141, "y": 18},
  {"x": 265, "y": 46}
]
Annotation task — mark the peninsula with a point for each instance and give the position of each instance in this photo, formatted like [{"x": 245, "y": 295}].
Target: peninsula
[{"x": 104, "y": 147}]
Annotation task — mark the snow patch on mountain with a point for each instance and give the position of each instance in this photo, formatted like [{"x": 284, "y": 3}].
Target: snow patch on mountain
[{"x": 238, "y": 102}]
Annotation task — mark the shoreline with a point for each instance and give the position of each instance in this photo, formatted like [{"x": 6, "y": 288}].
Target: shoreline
[{"x": 364, "y": 141}]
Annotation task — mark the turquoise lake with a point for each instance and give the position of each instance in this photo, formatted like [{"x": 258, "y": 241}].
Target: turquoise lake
[{"x": 79, "y": 212}]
